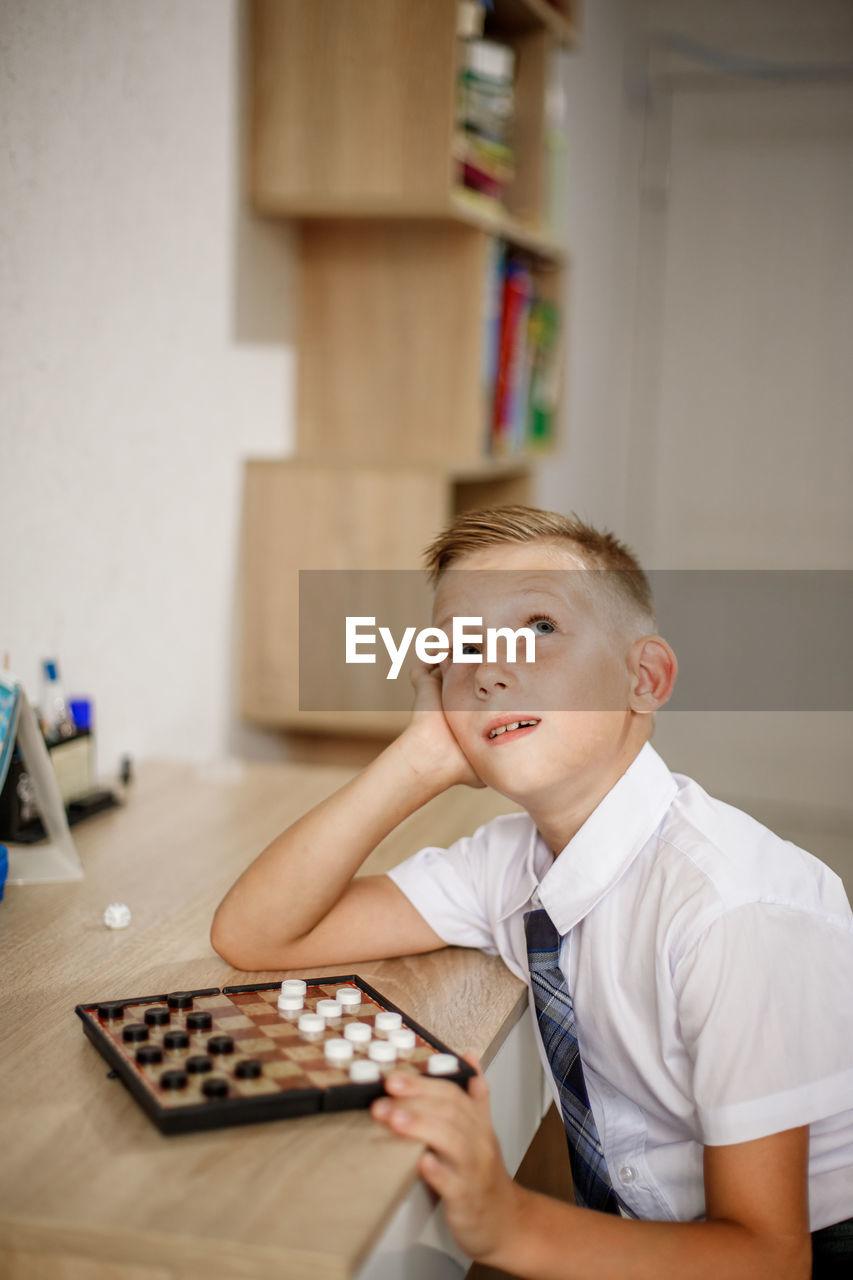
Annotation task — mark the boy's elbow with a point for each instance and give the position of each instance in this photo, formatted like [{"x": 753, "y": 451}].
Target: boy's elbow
[
  {"x": 238, "y": 945},
  {"x": 220, "y": 942},
  {"x": 226, "y": 942}
]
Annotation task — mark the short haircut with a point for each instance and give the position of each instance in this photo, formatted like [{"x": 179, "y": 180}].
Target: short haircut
[{"x": 595, "y": 549}]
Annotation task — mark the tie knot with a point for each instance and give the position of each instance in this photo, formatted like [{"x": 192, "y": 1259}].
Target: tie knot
[{"x": 541, "y": 932}]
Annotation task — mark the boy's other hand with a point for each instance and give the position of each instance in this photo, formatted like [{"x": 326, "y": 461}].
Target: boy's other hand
[
  {"x": 463, "y": 1162},
  {"x": 427, "y": 743}
]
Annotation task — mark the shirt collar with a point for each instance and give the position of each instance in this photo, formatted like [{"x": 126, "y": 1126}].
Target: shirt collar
[
  {"x": 609, "y": 841},
  {"x": 534, "y": 866}
]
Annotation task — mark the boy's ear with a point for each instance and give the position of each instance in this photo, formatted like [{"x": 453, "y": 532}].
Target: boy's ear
[{"x": 653, "y": 667}]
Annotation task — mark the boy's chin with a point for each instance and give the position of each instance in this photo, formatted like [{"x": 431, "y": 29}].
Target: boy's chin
[{"x": 519, "y": 784}]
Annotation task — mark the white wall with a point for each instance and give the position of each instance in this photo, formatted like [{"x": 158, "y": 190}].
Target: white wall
[
  {"x": 698, "y": 211},
  {"x": 741, "y": 447},
  {"x": 590, "y": 473},
  {"x": 144, "y": 351}
]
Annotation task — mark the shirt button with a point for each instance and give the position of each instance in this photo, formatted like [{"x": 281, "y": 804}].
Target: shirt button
[{"x": 627, "y": 1174}]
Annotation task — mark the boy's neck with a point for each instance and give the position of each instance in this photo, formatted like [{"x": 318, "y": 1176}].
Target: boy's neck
[{"x": 560, "y": 816}]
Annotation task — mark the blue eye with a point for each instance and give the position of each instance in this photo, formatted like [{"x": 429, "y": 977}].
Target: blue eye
[{"x": 542, "y": 626}]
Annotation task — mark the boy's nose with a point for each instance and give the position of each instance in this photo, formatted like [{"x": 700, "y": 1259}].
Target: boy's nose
[{"x": 490, "y": 677}]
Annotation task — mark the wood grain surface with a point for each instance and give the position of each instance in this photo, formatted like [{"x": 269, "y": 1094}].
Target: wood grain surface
[{"x": 89, "y": 1190}]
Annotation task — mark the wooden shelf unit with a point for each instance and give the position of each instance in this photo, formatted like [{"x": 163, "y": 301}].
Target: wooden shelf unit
[
  {"x": 392, "y": 327},
  {"x": 300, "y": 514},
  {"x": 352, "y": 135},
  {"x": 355, "y": 107}
]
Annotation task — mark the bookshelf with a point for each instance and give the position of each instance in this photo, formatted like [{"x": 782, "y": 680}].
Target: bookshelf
[
  {"x": 355, "y": 134},
  {"x": 354, "y": 106},
  {"x": 398, "y": 311}
]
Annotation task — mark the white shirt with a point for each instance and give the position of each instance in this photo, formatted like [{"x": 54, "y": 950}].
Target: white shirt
[{"x": 711, "y": 968}]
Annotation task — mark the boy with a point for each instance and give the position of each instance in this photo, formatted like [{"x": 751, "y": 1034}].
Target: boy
[{"x": 703, "y": 967}]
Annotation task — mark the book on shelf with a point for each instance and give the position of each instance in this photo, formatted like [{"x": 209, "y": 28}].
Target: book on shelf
[
  {"x": 515, "y": 312},
  {"x": 491, "y": 311},
  {"x": 482, "y": 143},
  {"x": 520, "y": 356},
  {"x": 544, "y": 373}
]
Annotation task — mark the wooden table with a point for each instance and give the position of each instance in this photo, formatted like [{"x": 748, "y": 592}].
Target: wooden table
[{"x": 89, "y": 1190}]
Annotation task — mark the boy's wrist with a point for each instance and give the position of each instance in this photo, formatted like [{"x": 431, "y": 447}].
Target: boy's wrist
[
  {"x": 430, "y": 770},
  {"x": 513, "y": 1221}
]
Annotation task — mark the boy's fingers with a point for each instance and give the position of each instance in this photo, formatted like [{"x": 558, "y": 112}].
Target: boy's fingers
[
  {"x": 440, "y": 1109},
  {"x": 424, "y": 674},
  {"x": 478, "y": 1088},
  {"x": 400, "y": 1086},
  {"x": 435, "y": 1173},
  {"x": 441, "y": 1138},
  {"x": 453, "y": 1123},
  {"x": 437, "y": 1128},
  {"x": 422, "y": 1086},
  {"x": 441, "y": 1100}
]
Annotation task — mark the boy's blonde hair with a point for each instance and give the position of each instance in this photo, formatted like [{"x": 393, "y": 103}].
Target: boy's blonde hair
[{"x": 596, "y": 549}]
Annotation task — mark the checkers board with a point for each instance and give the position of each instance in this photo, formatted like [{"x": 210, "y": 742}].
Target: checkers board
[{"x": 210, "y": 1058}]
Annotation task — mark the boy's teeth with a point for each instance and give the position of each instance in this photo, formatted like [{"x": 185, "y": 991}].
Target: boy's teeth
[{"x": 518, "y": 724}]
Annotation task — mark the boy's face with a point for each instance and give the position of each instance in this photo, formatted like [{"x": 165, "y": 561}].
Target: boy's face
[{"x": 575, "y": 694}]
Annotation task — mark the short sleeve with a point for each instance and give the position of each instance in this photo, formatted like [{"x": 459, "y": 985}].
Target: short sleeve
[
  {"x": 765, "y": 1001},
  {"x": 448, "y": 888}
]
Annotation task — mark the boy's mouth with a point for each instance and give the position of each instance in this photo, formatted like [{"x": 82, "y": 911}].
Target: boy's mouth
[{"x": 507, "y": 728}]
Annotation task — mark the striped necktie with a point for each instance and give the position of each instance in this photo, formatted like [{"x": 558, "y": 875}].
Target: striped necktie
[{"x": 556, "y": 1017}]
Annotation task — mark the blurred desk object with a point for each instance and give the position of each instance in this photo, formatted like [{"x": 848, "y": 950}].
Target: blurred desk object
[{"x": 89, "y": 1189}]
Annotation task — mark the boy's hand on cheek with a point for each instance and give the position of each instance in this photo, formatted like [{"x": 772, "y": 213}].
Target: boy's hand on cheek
[
  {"x": 428, "y": 740},
  {"x": 463, "y": 1163}
]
